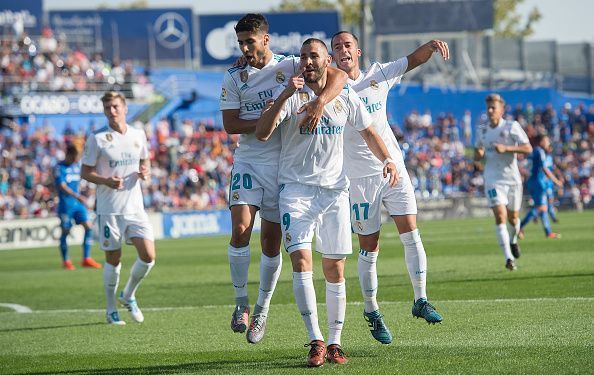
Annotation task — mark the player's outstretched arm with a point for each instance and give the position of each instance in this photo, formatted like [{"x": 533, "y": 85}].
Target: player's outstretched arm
[
  {"x": 422, "y": 54},
  {"x": 523, "y": 148},
  {"x": 379, "y": 149},
  {"x": 334, "y": 85}
]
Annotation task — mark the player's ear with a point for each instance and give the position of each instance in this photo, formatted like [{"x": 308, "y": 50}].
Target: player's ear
[
  {"x": 359, "y": 52},
  {"x": 266, "y": 39}
]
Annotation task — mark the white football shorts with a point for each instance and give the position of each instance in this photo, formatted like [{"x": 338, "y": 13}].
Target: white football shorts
[
  {"x": 311, "y": 210},
  {"x": 367, "y": 195},
  {"x": 255, "y": 185},
  {"x": 506, "y": 195},
  {"x": 114, "y": 228}
]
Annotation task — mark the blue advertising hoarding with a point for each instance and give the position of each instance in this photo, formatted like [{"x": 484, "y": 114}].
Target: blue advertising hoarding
[
  {"x": 27, "y": 13},
  {"x": 199, "y": 223},
  {"x": 218, "y": 42},
  {"x": 139, "y": 34}
]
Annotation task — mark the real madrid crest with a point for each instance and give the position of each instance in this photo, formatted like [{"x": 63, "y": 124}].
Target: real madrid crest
[
  {"x": 280, "y": 77},
  {"x": 288, "y": 237},
  {"x": 109, "y": 137},
  {"x": 337, "y": 106},
  {"x": 243, "y": 76},
  {"x": 373, "y": 84},
  {"x": 235, "y": 195},
  {"x": 304, "y": 96}
]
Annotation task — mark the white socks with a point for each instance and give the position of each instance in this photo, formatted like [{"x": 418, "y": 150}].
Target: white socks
[
  {"x": 416, "y": 262},
  {"x": 366, "y": 266},
  {"x": 139, "y": 271},
  {"x": 111, "y": 278},
  {"x": 336, "y": 307},
  {"x": 503, "y": 239},
  {"x": 239, "y": 263},
  {"x": 516, "y": 229},
  {"x": 270, "y": 269},
  {"x": 305, "y": 297}
]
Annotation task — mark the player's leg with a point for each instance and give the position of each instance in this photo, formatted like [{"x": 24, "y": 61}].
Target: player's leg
[
  {"x": 513, "y": 217},
  {"x": 270, "y": 260},
  {"x": 366, "y": 200},
  {"x": 497, "y": 196},
  {"x": 238, "y": 253},
  {"x": 551, "y": 204},
  {"x": 139, "y": 232},
  {"x": 334, "y": 242},
  {"x": 335, "y": 305},
  {"x": 81, "y": 217},
  {"x": 65, "y": 226},
  {"x": 110, "y": 243}
]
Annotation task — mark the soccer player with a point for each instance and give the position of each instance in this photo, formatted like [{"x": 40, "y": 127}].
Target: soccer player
[
  {"x": 116, "y": 159},
  {"x": 369, "y": 190},
  {"x": 314, "y": 195},
  {"x": 539, "y": 184},
  {"x": 499, "y": 140},
  {"x": 254, "y": 184},
  {"x": 72, "y": 206}
]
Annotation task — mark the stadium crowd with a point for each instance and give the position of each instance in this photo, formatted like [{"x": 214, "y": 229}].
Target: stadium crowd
[
  {"x": 47, "y": 63},
  {"x": 191, "y": 161}
]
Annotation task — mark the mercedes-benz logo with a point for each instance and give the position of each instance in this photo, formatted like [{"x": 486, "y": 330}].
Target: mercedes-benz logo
[{"x": 171, "y": 30}]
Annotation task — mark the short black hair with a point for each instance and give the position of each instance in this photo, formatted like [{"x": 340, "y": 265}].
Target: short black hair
[
  {"x": 252, "y": 22},
  {"x": 314, "y": 40},
  {"x": 344, "y": 32}
]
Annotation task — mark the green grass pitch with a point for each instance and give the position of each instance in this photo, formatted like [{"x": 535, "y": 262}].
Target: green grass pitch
[{"x": 536, "y": 320}]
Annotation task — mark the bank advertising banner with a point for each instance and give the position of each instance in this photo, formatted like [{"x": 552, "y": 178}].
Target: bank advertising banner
[
  {"x": 138, "y": 34},
  {"x": 218, "y": 42},
  {"x": 22, "y": 14}
]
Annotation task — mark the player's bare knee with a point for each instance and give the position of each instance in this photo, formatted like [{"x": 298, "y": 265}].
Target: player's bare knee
[{"x": 240, "y": 235}]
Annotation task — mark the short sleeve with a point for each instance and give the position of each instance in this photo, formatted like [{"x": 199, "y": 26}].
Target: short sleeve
[
  {"x": 358, "y": 115},
  {"x": 518, "y": 134},
  {"x": 91, "y": 152},
  {"x": 229, "y": 98}
]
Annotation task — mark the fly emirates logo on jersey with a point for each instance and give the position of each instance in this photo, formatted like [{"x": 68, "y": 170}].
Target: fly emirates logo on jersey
[
  {"x": 264, "y": 96},
  {"x": 126, "y": 159},
  {"x": 323, "y": 128},
  {"x": 373, "y": 107}
]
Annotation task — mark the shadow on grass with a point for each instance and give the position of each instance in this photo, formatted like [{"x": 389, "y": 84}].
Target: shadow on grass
[
  {"x": 51, "y": 327},
  {"x": 257, "y": 365}
]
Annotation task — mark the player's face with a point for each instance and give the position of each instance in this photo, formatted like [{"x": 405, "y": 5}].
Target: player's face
[
  {"x": 315, "y": 59},
  {"x": 545, "y": 143},
  {"x": 346, "y": 52},
  {"x": 495, "y": 111},
  {"x": 115, "y": 110},
  {"x": 253, "y": 46}
]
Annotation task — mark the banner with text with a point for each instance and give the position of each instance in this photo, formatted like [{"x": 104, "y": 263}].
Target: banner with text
[
  {"x": 218, "y": 41},
  {"x": 22, "y": 15}
]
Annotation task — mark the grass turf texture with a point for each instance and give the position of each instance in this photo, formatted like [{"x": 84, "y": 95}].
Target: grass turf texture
[{"x": 538, "y": 319}]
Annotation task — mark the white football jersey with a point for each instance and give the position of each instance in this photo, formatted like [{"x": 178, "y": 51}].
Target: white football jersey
[
  {"x": 114, "y": 154},
  {"x": 373, "y": 86},
  {"x": 316, "y": 158},
  {"x": 248, "y": 89},
  {"x": 501, "y": 168}
]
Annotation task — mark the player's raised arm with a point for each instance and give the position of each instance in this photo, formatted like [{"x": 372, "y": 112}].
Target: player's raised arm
[
  {"x": 334, "y": 85},
  {"x": 272, "y": 115},
  {"x": 379, "y": 149},
  {"x": 422, "y": 54}
]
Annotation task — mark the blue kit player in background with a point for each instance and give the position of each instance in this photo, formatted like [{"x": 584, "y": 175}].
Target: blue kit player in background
[
  {"x": 551, "y": 188},
  {"x": 539, "y": 183},
  {"x": 72, "y": 207}
]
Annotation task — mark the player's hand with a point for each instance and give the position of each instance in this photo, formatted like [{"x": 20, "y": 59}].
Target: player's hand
[
  {"x": 144, "y": 172},
  {"x": 81, "y": 199},
  {"x": 314, "y": 111},
  {"x": 441, "y": 47},
  {"x": 500, "y": 148},
  {"x": 390, "y": 169},
  {"x": 241, "y": 61},
  {"x": 267, "y": 106},
  {"x": 296, "y": 82},
  {"x": 115, "y": 182}
]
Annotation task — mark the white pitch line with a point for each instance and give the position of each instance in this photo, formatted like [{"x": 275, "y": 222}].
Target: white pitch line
[
  {"x": 25, "y": 309},
  {"x": 17, "y": 308}
]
